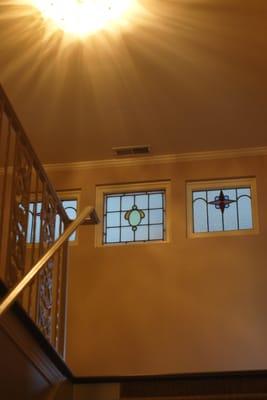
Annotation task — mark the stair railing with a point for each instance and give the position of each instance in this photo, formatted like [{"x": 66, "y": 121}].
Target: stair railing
[
  {"x": 34, "y": 228},
  {"x": 26, "y": 280}
]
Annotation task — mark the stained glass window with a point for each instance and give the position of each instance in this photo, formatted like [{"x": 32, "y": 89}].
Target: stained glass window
[
  {"x": 222, "y": 209},
  {"x": 134, "y": 217},
  {"x": 34, "y": 224}
]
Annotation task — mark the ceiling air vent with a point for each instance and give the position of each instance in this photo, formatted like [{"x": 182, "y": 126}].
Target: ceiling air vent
[{"x": 127, "y": 151}]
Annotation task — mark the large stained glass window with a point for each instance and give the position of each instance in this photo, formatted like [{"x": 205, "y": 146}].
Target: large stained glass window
[
  {"x": 34, "y": 224},
  {"x": 134, "y": 217},
  {"x": 223, "y": 208}
]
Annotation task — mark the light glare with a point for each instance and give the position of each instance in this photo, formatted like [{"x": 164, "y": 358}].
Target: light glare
[{"x": 82, "y": 17}]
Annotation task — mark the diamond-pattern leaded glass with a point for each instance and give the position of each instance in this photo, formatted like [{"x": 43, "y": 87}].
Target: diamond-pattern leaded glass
[
  {"x": 134, "y": 217},
  {"x": 219, "y": 210}
]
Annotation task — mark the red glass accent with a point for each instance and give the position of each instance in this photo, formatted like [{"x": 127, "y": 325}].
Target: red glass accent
[{"x": 222, "y": 202}]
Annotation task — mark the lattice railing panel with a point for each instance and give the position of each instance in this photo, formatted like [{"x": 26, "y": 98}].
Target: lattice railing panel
[{"x": 23, "y": 240}]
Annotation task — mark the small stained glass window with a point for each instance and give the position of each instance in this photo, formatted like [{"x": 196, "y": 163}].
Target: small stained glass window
[
  {"x": 134, "y": 217},
  {"x": 34, "y": 224},
  {"x": 222, "y": 207}
]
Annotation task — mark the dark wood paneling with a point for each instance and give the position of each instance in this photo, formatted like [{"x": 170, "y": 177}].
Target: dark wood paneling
[
  {"x": 19, "y": 379},
  {"x": 197, "y": 384},
  {"x": 45, "y": 346}
]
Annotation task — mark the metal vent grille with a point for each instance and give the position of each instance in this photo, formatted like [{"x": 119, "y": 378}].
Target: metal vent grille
[{"x": 131, "y": 151}]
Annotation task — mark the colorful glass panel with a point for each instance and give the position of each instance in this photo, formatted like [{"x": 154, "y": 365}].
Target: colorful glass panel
[
  {"x": 134, "y": 217},
  {"x": 219, "y": 210}
]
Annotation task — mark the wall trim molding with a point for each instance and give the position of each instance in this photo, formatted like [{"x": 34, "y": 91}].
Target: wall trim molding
[{"x": 159, "y": 159}]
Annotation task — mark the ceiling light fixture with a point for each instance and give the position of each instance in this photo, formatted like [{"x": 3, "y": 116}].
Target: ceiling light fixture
[{"x": 83, "y": 17}]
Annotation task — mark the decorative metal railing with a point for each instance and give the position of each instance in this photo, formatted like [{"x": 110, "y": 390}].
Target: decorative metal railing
[{"x": 24, "y": 185}]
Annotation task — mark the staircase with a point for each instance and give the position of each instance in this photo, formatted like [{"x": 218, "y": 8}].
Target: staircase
[{"x": 34, "y": 232}]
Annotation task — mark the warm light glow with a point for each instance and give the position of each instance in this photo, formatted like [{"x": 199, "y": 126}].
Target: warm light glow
[{"x": 82, "y": 17}]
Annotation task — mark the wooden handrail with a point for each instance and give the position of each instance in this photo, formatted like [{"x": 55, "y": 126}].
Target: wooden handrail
[{"x": 14, "y": 293}]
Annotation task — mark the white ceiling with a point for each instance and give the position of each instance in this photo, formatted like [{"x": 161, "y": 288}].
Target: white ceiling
[{"x": 186, "y": 75}]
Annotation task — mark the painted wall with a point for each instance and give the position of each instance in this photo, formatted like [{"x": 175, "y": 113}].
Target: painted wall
[{"x": 189, "y": 305}]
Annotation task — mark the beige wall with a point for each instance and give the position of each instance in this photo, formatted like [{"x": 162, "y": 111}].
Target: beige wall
[{"x": 190, "y": 305}]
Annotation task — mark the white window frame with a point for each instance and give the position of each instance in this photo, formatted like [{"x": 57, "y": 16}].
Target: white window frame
[
  {"x": 102, "y": 190},
  {"x": 63, "y": 195},
  {"x": 217, "y": 184},
  {"x": 71, "y": 195}
]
